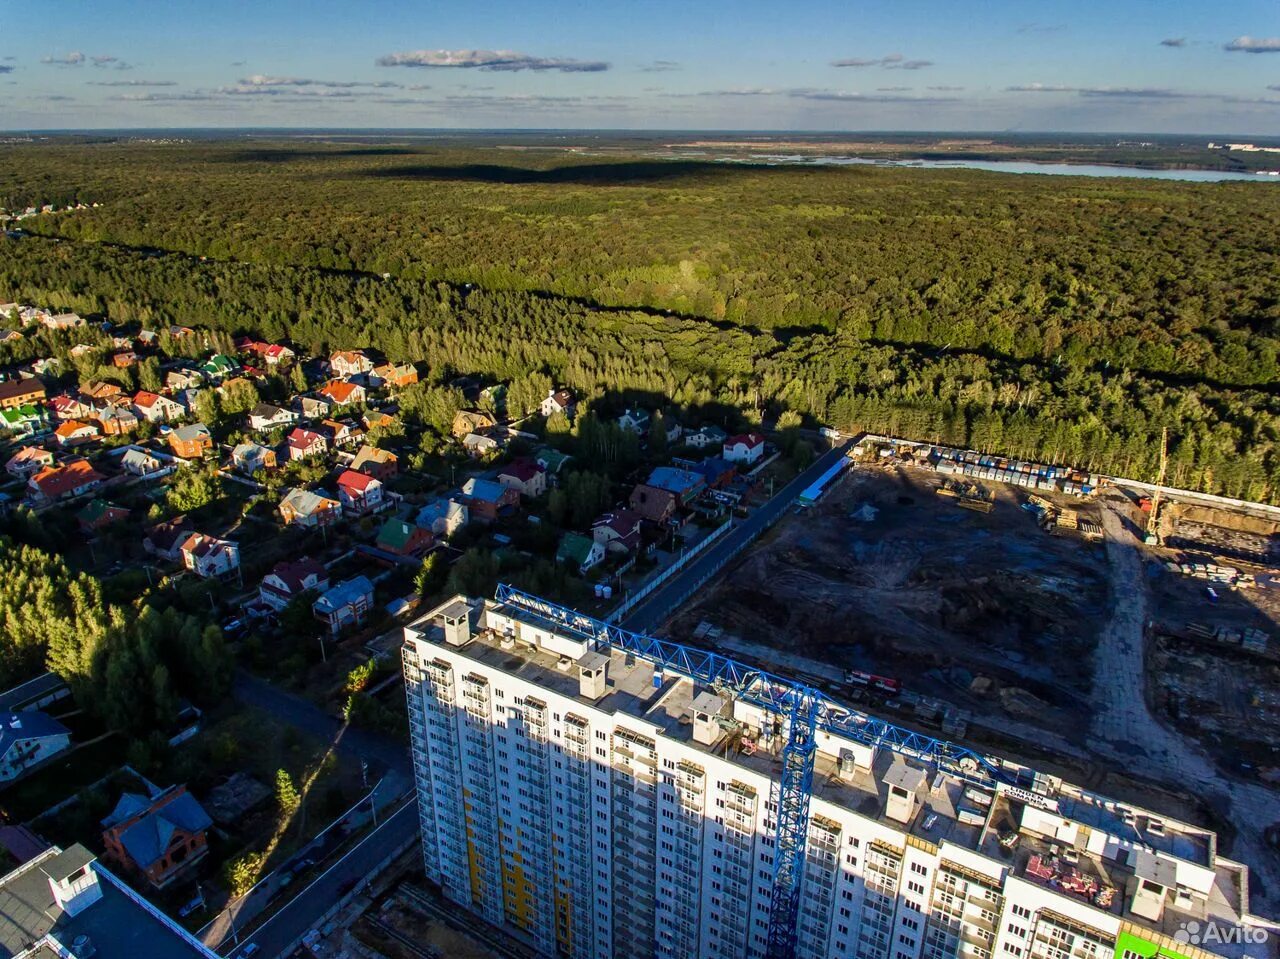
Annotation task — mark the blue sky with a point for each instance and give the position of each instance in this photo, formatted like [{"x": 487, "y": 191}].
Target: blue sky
[{"x": 1119, "y": 66}]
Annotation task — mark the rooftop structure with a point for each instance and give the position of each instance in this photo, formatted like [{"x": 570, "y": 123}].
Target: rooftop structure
[{"x": 66, "y": 904}]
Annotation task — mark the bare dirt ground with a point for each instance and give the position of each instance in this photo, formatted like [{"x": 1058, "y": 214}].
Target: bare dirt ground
[
  {"x": 983, "y": 610},
  {"x": 1049, "y": 646}
]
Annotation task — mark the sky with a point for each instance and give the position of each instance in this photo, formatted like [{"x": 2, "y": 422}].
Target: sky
[{"x": 1154, "y": 66}]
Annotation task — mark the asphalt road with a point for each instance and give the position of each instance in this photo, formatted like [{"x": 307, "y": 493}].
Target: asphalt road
[
  {"x": 303, "y": 912},
  {"x": 662, "y": 602}
]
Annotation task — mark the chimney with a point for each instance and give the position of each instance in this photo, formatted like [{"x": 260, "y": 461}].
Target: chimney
[
  {"x": 706, "y": 707},
  {"x": 457, "y": 623},
  {"x": 593, "y": 675}
]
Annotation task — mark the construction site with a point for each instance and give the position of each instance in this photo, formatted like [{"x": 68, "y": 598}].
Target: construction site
[{"x": 1126, "y": 641}]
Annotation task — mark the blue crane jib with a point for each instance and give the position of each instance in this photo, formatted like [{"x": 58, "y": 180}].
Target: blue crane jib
[{"x": 803, "y": 712}]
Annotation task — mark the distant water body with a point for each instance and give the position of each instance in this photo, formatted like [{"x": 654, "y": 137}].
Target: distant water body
[{"x": 1018, "y": 166}]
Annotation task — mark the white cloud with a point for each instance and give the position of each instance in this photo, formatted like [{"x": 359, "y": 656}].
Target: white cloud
[
  {"x": 892, "y": 61},
  {"x": 1249, "y": 44},
  {"x": 133, "y": 83},
  {"x": 489, "y": 60},
  {"x": 259, "y": 80},
  {"x": 73, "y": 59}
]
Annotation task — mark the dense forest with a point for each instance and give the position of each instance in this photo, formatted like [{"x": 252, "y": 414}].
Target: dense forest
[{"x": 1064, "y": 318}]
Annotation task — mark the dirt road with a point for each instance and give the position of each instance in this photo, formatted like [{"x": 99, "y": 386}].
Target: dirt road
[{"x": 1126, "y": 730}]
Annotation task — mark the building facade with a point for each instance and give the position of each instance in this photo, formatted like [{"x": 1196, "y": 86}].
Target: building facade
[{"x": 598, "y": 806}]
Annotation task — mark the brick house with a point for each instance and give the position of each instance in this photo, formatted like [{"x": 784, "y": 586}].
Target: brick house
[
  {"x": 346, "y": 363},
  {"x": 158, "y": 836},
  {"x": 191, "y": 441},
  {"x": 21, "y": 392},
  {"x": 381, "y": 464},
  {"x": 289, "y": 580}
]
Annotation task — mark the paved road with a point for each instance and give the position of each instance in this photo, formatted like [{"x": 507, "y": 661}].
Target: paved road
[
  {"x": 663, "y": 601},
  {"x": 306, "y": 908},
  {"x": 303, "y": 912}
]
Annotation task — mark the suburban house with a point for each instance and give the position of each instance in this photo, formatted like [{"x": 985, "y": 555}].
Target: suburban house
[
  {"x": 75, "y": 432},
  {"x": 653, "y": 504},
  {"x": 303, "y": 443},
  {"x": 219, "y": 366},
  {"x": 494, "y": 398},
  {"x": 55, "y": 483},
  {"x": 155, "y": 408},
  {"x": 191, "y": 441},
  {"x": 138, "y": 462},
  {"x": 251, "y": 457},
  {"x": 289, "y": 580},
  {"x": 487, "y": 499},
  {"x": 443, "y": 516},
  {"x": 341, "y": 432},
  {"x": 686, "y": 484},
  {"x": 717, "y": 471},
  {"x": 558, "y": 401},
  {"x": 404, "y": 538},
  {"x": 28, "y": 461},
  {"x": 345, "y": 604},
  {"x": 61, "y": 321},
  {"x": 24, "y": 421},
  {"x": 578, "y": 552},
  {"x": 264, "y": 416},
  {"x": 98, "y": 514},
  {"x": 67, "y": 407},
  {"x": 636, "y": 421},
  {"x": 165, "y": 539},
  {"x": 382, "y": 464},
  {"x": 102, "y": 391},
  {"x": 346, "y": 363},
  {"x": 342, "y": 392},
  {"x": 8, "y": 336},
  {"x": 359, "y": 493},
  {"x": 393, "y": 375},
  {"x": 551, "y": 459},
  {"x": 525, "y": 477},
  {"x": 471, "y": 421},
  {"x": 208, "y": 556},
  {"x": 375, "y": 419},
  {"x": 124, "y": 359},
  {"x": 158, "y": 836},
  {"x": 618, "y": 531},
  {"x": 302, "y": 507},
  {"x": 117, "y": 420},
  {"x": 180, "y": 332},
  {"x": 674, "y": 429},
  {"x": 277, "y": 353},
  {"x": 21, "y": 392},
  {"x": 478, "y": 445},
  {"x": 183, "y": 379},
  {"x": 27, "y": 739},
  {"x": 313, "y": 407},
  {"x": 744, "y": 448}
]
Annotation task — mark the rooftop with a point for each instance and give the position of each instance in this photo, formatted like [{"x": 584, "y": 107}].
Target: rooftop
[{"x": 119, "y": 925}]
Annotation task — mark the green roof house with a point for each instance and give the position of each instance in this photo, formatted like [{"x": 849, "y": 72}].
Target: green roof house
[{"x": 579, "y": 552}]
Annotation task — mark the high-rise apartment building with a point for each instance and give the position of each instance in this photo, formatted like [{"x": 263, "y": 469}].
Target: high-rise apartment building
[{"x": 604, "y": 807}]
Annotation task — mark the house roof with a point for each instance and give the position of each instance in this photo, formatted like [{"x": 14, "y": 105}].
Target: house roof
[
  {"x": 350, "y": 356},
  {"x": 146, "y": 400},
  {"x": 478, "y": 441},
  {"x": 749, "y": 440},
  {"x": 302, "y": 439},
  {"x": 12, "y": 389},
  {"x": 437, "y": 509},
  {"x": 575, "y": 547},
  {"x": 340, "y": 391},
  {"x": 294, "y": 573},
  {"x": 651, "y": 502},
  {"x": 266, "y": 411},
  {"x": 561, "y": 398},
  {"x": 201, "y": 545},
  {"x": 304, "y": 502},
  {"x": 371, "y": 454},
  {"x": 278, "y": 350},
  {"x": 29, "y": 724},
  {"x": 551, "y": 459},
  {"x": 96, "y": 509},
  {"x": 713, "y": 467},
  {"x": 191, "y": 433},
  {"x": 72, "y": 427},
  {"x": 521, "y": 470},
  {"x": 344, "y": 594},
  {"x": 55, "y": 481},
  {"x": 676, "y": 480},
  {"x": 246, "y": 450},
  {"x": 351, "y": 480},
  {"x": 139, "y": 458},
  {"x": 33, "y": 454},
  {"x": 624, "y": 522},
  {"x": 162, "y": 815},
  {"x": 713, "y": 433},
  {"x": 487, "y": 491},
  {"x": 396, "y": 533},
  {"x": 165, "y": 536}
]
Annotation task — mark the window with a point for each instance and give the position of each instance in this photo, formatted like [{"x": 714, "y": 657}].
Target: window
[
  {"x": 916, "y": 887},
  {"x": 1022, "y": 912},
  {"x": 919, "y": 869}
]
